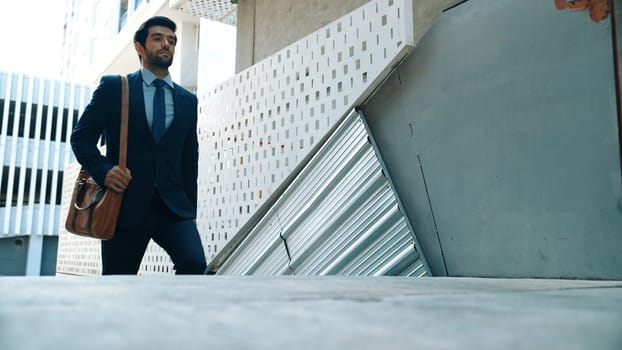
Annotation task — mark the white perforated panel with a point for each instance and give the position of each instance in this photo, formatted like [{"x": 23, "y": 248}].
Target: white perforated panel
[
  {"x": 257, "y": 127},
  {"x": 76, "y": 255}
]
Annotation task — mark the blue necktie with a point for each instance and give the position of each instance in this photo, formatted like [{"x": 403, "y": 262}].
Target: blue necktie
[{"x": 159, "y": 111}]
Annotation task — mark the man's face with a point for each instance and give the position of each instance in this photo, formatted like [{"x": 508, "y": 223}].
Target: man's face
[{"x": 159, "y": 48}]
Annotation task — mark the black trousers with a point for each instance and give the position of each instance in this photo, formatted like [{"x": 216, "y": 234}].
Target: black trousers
[{"x": 178, "y": 237}]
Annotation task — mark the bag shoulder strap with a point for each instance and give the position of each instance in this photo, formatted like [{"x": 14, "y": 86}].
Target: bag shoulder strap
[{"x": 125, "y": 98}]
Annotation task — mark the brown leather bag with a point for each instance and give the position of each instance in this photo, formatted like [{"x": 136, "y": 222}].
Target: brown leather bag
[{"x": 93, "y": 210}]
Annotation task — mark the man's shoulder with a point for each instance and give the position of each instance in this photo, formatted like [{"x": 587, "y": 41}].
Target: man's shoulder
[
  {"x": 117, "y": 77},
  {"x": 110, "y": 77},
  {"x": 184, "y": 93},
  {"x": 110, "y": 80}
]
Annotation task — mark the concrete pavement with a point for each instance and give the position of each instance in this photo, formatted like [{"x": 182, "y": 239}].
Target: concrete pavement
[{"x": 215, "y": 312}]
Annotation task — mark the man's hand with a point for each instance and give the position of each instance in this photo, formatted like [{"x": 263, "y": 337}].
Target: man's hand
[{"x": 117, "y": 179}]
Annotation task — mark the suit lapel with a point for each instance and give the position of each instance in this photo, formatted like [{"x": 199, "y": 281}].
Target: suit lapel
[
  {"x": 178, "y": 119},
  {"x": 138, "y": 115}
]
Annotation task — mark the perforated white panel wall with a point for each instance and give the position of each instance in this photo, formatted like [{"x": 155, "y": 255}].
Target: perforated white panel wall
[{"x": 258, "y": 126}]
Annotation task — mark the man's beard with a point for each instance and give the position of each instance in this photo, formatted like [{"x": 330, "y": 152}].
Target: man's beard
[{"x": 162, "y": 62}]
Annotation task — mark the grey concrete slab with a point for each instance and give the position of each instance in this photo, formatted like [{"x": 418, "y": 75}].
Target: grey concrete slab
[
  {"x": 500, "y": 134},
  {"x": 219, "y": 312}
]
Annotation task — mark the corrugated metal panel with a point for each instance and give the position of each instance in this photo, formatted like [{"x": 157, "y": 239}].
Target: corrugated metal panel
[
  {"x": 339, "y": 216},
  {"x": 259, "y": 253}
]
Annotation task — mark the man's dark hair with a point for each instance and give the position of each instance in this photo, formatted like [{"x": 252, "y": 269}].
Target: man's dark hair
[{"x": 141, "y": 34}]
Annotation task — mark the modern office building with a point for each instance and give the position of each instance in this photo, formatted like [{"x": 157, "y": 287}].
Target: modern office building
[
  {"x": 37, "y": 116},
  {"x": 399, "y": 137},
  {"x": 98, "y": 39}
]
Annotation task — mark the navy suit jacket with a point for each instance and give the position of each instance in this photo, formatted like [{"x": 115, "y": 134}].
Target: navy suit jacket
[{"x": 172, "y": 164}]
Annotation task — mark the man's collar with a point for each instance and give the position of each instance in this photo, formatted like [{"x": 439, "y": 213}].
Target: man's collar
[{"x": 149, "y": 77}]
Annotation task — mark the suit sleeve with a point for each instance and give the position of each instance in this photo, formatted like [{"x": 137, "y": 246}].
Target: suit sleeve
[
  {"x": 190, "y": 161},
  {"x": 90, "y": 127}
]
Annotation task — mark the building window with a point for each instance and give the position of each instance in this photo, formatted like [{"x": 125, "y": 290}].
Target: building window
[
  {"x": 137, "y": 3},
  {"x": 122, "y": 14}
]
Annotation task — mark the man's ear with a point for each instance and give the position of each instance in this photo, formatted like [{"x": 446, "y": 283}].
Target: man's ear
[{"x": 139, "y": 48}]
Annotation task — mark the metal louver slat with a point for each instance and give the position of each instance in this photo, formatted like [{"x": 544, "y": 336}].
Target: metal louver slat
[
  {"x": 259, "y": 247},
  {"x": 319, "y": 172},
  {"x": 372, "y": 242},
  {"x": 415, "y": 269},
  {"x": 332, "y": 243},
  {"x": 332, "y": 210}
]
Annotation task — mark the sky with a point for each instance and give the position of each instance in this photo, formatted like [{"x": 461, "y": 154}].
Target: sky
[{"x": 32, "y": 32}]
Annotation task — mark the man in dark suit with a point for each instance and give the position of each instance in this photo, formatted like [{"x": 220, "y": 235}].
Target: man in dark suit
[{"x": 160, "y": 183}]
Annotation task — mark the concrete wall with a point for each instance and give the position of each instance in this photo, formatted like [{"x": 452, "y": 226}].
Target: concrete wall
[
  {"x": 14, "y": 253},
  {"x": 617, "y": 12},
  {"x": 48, "y": 256},
  {"x": 500, "y": 133},
  {"x": 187, "y": 52},
  {"x": 266, "y": 26}
]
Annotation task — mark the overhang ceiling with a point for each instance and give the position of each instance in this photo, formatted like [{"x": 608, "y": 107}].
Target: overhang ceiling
[{"x": 216, "y": 10}]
